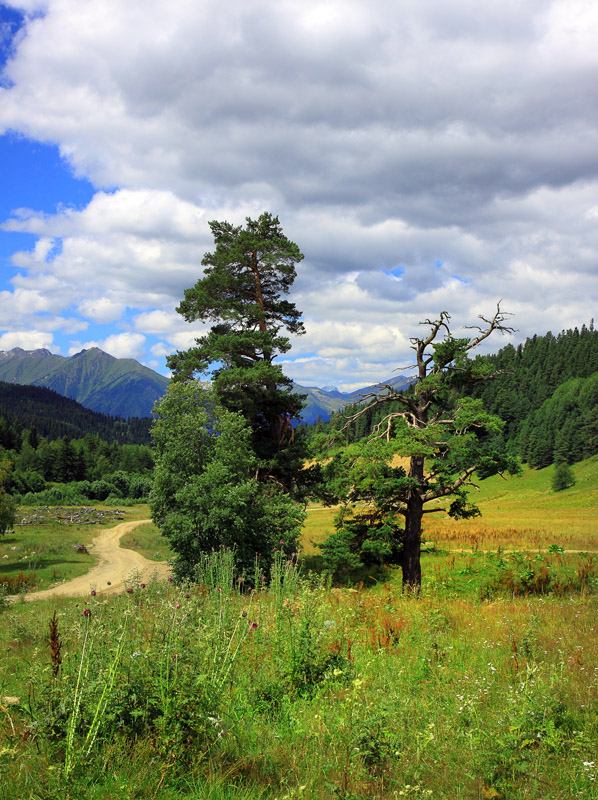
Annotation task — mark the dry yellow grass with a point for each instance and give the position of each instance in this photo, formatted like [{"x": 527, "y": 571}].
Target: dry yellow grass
[{"x": 520, "y": 513}]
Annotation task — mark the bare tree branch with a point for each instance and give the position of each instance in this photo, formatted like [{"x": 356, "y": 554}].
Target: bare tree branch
[{"x": 494, "y": 324}]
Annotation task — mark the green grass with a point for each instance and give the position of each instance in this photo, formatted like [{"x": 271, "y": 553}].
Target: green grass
[
  {"x": 517, "y": 512},
  {"x": 147, "y": 540},
  {"x": 334, "y": 693},
  {"x": 524, "y": 513},
  {"x": 44, "y": 553},
  {"x": 485, "y": 686}
]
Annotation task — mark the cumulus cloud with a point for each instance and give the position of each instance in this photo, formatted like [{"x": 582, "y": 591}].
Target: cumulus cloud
[
  {"x": 27, "y": 340},
  {"x": 119, "y": 345},
  {"x": 423, "y": 156}
]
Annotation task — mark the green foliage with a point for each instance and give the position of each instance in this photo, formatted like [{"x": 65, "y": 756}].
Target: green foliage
[
  {"x": 243, "y": 293},
  {"x": 8, "y": 505},
  {"x": 563, "y": 477},
  {"x": 205, "y": 492},
  {"x": 50, "y": 415},
  {"x": 446, "y": 436},
  {"x": 179, "y": 692}
]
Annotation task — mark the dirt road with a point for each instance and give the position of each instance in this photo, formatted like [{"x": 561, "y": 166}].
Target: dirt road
[{"x": 114, "y": 566}]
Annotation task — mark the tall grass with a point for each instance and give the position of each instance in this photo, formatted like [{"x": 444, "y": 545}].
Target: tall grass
[{"x": 303, "y": 691}]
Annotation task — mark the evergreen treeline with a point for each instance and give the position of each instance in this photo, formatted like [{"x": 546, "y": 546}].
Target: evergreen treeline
[
  {"x": 547, "y": 396},
  {"x": 93, "y": 468},
  {"x": 54, "y": 416}
]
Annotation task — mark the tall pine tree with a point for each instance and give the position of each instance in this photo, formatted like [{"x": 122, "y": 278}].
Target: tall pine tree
[{"x": 243, "y": 293}]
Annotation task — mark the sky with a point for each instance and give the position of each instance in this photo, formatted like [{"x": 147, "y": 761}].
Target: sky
[{"x": 425, "y": 156}]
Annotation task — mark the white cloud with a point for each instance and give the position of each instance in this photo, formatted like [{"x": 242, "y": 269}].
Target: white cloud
[
  {"x": 27, "y": 340},
  {"x": 119, "y": 345},
  {"x": 454, "y": 145}
]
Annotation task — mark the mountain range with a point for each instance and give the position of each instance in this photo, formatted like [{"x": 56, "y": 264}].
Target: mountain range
[
  {"x": 323, "y": 402},
  {"x": 123, "y": 387},
  {"x": 115, "y": 386}
]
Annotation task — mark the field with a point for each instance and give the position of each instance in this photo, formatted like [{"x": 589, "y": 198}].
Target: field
[{"x": 485, "y": 686}]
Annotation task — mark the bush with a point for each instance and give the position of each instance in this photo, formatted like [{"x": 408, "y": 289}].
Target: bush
[
  {"x": 101, "y": 489},
  {"x": 8, "y": 507},
  {"x": 205, "y": 493},
  {"x": 27, "y": 481},
  {"x": 563, "y": 477}
]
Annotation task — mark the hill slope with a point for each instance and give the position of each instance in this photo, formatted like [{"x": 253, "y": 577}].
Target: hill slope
[
  {"x": 54, "y": 416},
  {"x": 114, "y": 386},
  {"x": 324, "y": 402}
]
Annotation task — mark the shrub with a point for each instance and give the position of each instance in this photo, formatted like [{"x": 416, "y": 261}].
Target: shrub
[{"x": 563, "y": 477}]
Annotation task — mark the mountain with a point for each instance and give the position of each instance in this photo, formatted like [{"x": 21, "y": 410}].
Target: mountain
[
  {"x": 123, "y": 387},
  {"x": 54, "y": 416},
  {"x": 114, "y": 386},
  {"x": 323, "y": 402}
]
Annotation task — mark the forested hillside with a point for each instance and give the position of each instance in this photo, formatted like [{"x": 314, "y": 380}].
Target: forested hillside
[
  {"x": 46, "y": 438},
  {"x": 53, "y": 416},
  {"x": 97, "y": 380},
  {"x": 547, "y": 395}
]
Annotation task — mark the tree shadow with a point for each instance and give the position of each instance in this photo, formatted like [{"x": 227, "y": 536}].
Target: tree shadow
[{"x": 34, "y": 565}]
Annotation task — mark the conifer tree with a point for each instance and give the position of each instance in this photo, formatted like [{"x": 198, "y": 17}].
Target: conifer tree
[
  {"x": 243, "y": 293},
  {"x": 446, "y": 437},
  {"x": 563, "y": 477}
]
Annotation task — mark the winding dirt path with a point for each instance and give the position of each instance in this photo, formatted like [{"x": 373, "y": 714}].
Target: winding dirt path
[{"x": 114, "y": 566}]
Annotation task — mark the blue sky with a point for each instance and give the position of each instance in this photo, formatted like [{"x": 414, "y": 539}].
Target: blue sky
[{"x": 424, "y": 157}]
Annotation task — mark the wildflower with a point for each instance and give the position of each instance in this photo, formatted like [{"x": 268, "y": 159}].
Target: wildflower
[
  {"x": 170, "y": 578},
  {"x": 143, "y": 585},
  {"x": 86, "y": 612},
  {"x": 130, "y": 589},
  {"x": 253, "y": 626},
  {"x": 178, "y": 605},
  {"x": 187, "y": 595},
  {"x": 93, "y": 593},
  {"x": 243, "y": 613}
]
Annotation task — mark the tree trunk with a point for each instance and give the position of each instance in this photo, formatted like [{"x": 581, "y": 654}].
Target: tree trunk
[
  {"x": 411, "y": 561},
  {"x": 411, "y": 564}
]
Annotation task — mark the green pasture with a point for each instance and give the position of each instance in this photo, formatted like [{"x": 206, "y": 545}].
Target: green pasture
[
  {"x": 518, "y": 513},
  {"x": 147, "y": 540},
  {"x": 523, "y": 512}
]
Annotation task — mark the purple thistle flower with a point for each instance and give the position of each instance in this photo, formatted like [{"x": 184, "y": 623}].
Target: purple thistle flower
[
  {"x": 170, "y": 578},
  {"x": 86, "y": 612},
  {"x": 143, "y": 585},
  {"x": 93, "y": 593},
  {"x": 253, "y": 626},
  {"x": 130, "y": 589}
]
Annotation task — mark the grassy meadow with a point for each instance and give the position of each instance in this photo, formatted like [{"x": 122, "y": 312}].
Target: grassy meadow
[{"x": 485, "y": 686}]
